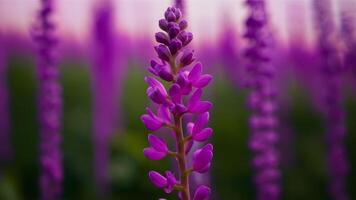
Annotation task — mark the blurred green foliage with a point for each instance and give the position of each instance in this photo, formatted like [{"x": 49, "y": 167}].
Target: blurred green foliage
[{"x": 303, "y": 178}]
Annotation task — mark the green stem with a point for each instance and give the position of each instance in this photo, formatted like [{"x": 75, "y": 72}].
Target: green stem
[{"x": 184, "y": 177}]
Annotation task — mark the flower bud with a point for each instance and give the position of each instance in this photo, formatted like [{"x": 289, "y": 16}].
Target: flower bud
[
  {"x": 202, "y": 193},
  {"x": 187, "y": 58},
  {"x": 163, "y": 24},
  {"x": 163, "y": 52},
  {"x": 162, "y": 38},
  {"x": 175, "y": 45}
]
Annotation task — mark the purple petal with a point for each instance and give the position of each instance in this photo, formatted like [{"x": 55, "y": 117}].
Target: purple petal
[
  {"x": 165, "y": 73},
  {"x": 157, "y": 179},
  {"x": 175, "y": 45},
  {"x": 163, "y": 24},
  {"x": 164, "y": 114},
  {"x": 187, "y": 58},
  {"x": 183, "y": 24},
  {"x": 152, "y": 154},
  {"x": 155, "y": 83},
  {"x": 208, "y": 147},
  {"x": 171, "y": 182},
  {"x": 202, "y": 106},
  {"x": 203, "y": 135},
  {"x": 202, "y": 158},
  {"x": 205, "y": 169},
  {"x": 170, "y": 16},
  {"x": 202, "y": 193},
  {"x": 162, "y": 38},
  {"x": 163, "y": 52},
  {"x": 173, "y": 30},
  {"x": 179, "y": 108},
  {"x": 190, "y": 126},
  {"x": 195, "y": 72},
  {"x": 184, "y": 83},
  {"x": 157, "y": 143},
  {"x": 174, "y": 93},
  {"x": 201, "y": 122},
  {"x": 151, "y": 124},
  {"x": 156, "y": 95},
  {"x": 194, "y": 99},
  {"x": 203, "y": 81}
]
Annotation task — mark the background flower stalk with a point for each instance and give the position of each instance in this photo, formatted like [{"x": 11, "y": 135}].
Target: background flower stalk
[{"x": 49, "y": 104}]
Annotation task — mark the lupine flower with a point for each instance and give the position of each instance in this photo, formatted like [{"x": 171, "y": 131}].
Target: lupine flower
[
  {"x": 183, "y": 96},
  {"x": 104, "y": 83},
  {"x": 261, "y": 101},
  {"x": 50, "y": 105},
  {"x": 331, "y": 70}
]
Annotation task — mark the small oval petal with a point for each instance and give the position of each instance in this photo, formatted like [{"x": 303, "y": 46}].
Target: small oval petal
[
  {"x": 157, "y": 179},
  {"x": 201, "y": 122},
  {"x": 194, "y": 99},
  {"x": 203, "y": 81},
  {"x": 153, "y": 154},
  {"x": 195, "y": 72},
  {"x": 151, "y": 124},
  {"x": 201, "y": 159},
  {"x": 163, "y": 24},
  {"x": 202, "y": 106},
  {"x": 175, "y": 94},
  {"x": 202, "y": 193},
  {"x": 157, "y": 143},
  {"x": 203, "y": 135},
  {"x": 162, "y": 38},
  {"x": 171, "y": 182},
  {"x": 164, "y": 114}
]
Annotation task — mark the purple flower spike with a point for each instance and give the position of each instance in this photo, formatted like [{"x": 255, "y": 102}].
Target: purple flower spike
[
  {"x": 182, "y": 84},
  {"x": 50, "y": 104},
  {"x": 263, "y": 122},
  {"x": 332, "y": 72},
  {"x": 202, "y": 193}
]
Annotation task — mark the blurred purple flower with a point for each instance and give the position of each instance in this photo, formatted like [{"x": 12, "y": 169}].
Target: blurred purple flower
[
  {"x": 263, "y": 121},
  {"x": 182, "y": 84},
  {"x": 50, "y": 104},
  {"x": 331, "y": 70},
  {"x": 105, "y": 90}
]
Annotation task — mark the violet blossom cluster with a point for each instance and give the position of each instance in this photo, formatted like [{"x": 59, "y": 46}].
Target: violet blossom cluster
[
  {"x": 262, "y": 102},
  {"x": 183, "y": 97},
  {"x": 331, "y": 72},
  {"x": 49, "y": 105}
]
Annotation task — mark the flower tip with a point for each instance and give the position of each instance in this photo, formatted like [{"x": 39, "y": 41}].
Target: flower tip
[
  {"x": 157, "y": 179},
  {"x": 202, "y": 193},
  {"x": 153, "y": 154}
]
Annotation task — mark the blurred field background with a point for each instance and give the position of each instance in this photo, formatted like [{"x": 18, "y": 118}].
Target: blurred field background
[{"x": 302, "y": 142}]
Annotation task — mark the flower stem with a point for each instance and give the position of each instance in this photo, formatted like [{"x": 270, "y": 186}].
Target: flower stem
[{"x": 184, "y": 177}]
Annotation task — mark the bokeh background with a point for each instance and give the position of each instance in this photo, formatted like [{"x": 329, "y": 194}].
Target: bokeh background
[{"x": 217, "y": 26}]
